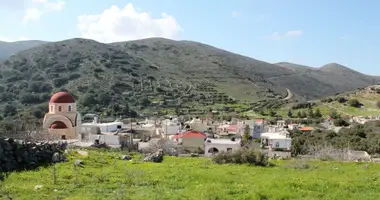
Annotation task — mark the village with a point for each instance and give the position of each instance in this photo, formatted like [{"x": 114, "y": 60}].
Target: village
[{"x": 197, "y": 136}]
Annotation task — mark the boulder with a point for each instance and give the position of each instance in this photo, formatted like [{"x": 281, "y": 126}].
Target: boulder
[{"x": 156, "y": 157}]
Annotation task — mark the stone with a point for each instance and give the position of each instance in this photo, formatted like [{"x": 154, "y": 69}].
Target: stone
[
  {"x": 156, "y": 157},
  {"x": 38, "y": 187},
  {"x": 126, "y": 157},
  {"x": 78, "y": 163}
]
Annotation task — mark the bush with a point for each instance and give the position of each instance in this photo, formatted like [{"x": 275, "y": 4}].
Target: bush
[
  {"x": 378, "y": 104},
  {"x": 242, "y": 156},
  {"x": 354, "y": 103}
]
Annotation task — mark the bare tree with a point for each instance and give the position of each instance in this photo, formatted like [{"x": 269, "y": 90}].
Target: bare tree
[{"x": 166, "y": 145}]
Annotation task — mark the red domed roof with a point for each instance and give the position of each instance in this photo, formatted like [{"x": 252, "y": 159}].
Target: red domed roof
[
  {"x": 62, "y": 97},
  {"x": 58, "y": 125}
]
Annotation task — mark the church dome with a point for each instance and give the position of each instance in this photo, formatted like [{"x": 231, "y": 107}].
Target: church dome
[
  {"x": 58, "y": 125},
  {"x": 62, "y": 97}
]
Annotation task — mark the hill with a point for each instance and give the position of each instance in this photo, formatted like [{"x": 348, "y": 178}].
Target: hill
[
  {"x": 8, "y": 49},
  {"x": 156, "y": 75},
  {"x": 315, "y": 83}
]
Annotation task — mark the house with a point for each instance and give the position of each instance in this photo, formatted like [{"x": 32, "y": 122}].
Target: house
[
  {"x": 104, "y": 127},
  {"x": 62, "y": 118},
  {"x": 170, "y": 127},
  {"x": 213, "y": 146},
  {"x": 293, "y": 126},
  {"x": 306, "y": 129},
  {"x": 190, "y": 140},
  {"x": 276, "y": 141},
  {"x": 197, "y": 124},
  {"x": 256, "y": 127}
]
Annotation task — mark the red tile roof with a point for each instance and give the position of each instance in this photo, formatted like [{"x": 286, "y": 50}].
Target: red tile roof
[
  {"x": 306, "y": 129},
  {"x": 232, "y": 128},
  {"x": 190, "y": 134}
]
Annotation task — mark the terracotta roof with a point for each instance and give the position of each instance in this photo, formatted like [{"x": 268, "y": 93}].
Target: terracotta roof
[
  {"x": 190, "y": 134},
  {"x": 58, "y": 125},
  {"x": 259, "y": 121},
  {"x": 232, "y": 128},
  {"x": 62, "y": 97},
  {"x": 306, "y": 129}
]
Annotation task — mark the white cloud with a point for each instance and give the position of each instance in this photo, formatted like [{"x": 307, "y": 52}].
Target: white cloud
[
  {"x": 236, "y": 14},
  {"x": 41, "y": 7},
  {"x": 288, "y": 35},
  {"x": 115, "y": 24},
  {"x": 32, "y": 14}
]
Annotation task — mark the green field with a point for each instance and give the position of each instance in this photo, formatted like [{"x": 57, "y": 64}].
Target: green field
[{"x": 106, "y": 177}]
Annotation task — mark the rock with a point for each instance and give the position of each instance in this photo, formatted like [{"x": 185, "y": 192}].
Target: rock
[
  {"x": 79, "y": 163},
  {"x": 38, "y": 187},
  {"x": 126, "y": 157},
  {"x": 57, "y": 157},
  {"x": 156, "y": 157}
]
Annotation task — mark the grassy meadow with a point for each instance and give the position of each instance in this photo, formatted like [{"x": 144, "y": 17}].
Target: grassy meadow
[{"x": 105, "y": 176}]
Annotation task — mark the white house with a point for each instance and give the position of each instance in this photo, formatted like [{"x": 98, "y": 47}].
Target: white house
[
  {"x": 197, "y": 124},
  {"x": 277, "y": 140},
  {"x": 170, "y": 127},
  {"x": 213, "y": 146},
  {"x": 104, "y": 127}
]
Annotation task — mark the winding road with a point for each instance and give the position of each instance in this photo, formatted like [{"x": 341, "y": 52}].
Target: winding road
[{"x": 290, "y": 94}]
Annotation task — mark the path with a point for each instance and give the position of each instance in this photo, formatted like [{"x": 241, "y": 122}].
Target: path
[{"x": 290, "y": 94}]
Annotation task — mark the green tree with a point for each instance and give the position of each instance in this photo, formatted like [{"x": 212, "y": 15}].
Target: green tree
[
  {"x": 378, "y": 104},
  {"x": 246, "y": 135},
  {"x": 299, "y": 114},
  {"x": 311, "y": 113},
  {"x": 334, "y": 114},
  {"x": 317, "y": 113},
  {"x": 354, "y": 103},
  {"x": 272, "y": 113},
  {"x": 290, "y": 114}
]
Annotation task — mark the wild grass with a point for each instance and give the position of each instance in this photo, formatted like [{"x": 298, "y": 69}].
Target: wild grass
[{"x": 105, "y": 176}]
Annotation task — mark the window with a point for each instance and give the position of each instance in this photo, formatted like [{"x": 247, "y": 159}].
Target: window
[
  {"x": 60, "y": 108},
  {"x": 277, "y": 144},
  {"x": 229, "y": 149},
  {"x": 51, "y": 108},
  {"x": 69, "y": 108}
]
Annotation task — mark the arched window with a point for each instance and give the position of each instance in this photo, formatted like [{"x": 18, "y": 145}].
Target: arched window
[
  {"x": 59, "y": 108},
  {"x": 69, "y": 108}
]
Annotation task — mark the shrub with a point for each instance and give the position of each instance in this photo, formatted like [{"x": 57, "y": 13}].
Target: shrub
[
  {"x": 354, "y": 103},
  {"x": 242, "y": 156},
  {"x": 378, "y": 104}
]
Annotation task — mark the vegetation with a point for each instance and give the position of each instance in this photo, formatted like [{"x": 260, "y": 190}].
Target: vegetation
[
  {"x": 358, "y": 137},
  {"x": 242, "y": 156},
  {"x": 105, "y": 176},
  {"x": 155, "y": 76}
]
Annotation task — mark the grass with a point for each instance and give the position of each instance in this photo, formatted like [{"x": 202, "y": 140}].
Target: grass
[{"x": 106, "y": 177}]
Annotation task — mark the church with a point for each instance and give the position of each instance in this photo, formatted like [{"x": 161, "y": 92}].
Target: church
[{"x": 63, "y": 118}]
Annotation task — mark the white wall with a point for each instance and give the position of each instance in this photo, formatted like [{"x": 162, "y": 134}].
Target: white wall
[
  {"x": 220, "y": 146},
  {"x": 283, "y": 143},
  {"x": 170, "y": 130},
  {"x": 108, "y": 139}
]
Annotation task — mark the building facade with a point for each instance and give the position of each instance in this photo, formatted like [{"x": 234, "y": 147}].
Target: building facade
[{"x": 62, "y": 118}]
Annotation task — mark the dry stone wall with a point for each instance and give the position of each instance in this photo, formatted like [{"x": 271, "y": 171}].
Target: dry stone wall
[{"x": 20, "y": 155}]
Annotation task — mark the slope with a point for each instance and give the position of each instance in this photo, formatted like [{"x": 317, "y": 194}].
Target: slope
[
  {"x": 314, "y": 83},
  {"x": 9, "y": 48}
]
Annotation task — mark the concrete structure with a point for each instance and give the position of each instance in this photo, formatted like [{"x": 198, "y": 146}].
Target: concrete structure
[
  {"x": 170, "y": 127},
  {"x": 213, "y": 146},
  {"x": 62, "y": 118},
  {"x": 275, "y": 141},
  {"x": 198, "y": 125},
  {"x": 190, "y": 140},
  {"x": 104, "y": 127}
]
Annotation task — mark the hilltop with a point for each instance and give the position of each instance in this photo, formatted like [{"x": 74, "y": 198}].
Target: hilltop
[
  {"x": 8, "y": 49},
  {"x": 157, "y": 75}
]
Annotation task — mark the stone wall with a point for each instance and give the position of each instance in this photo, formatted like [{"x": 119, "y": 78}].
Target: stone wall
[{"x": 19, "y": 155}]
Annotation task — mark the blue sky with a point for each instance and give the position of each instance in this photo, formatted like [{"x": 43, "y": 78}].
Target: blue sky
[{"x": 313, "y": 32}]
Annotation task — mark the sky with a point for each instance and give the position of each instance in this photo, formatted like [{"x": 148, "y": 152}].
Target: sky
[{"x": 312, "y": 32}]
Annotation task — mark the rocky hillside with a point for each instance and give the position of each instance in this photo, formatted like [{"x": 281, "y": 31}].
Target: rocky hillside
[
  {"x": 7, "y": 49},
  {"x": 156, "y": 76},
  {"x": 314, "y": 83}
]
